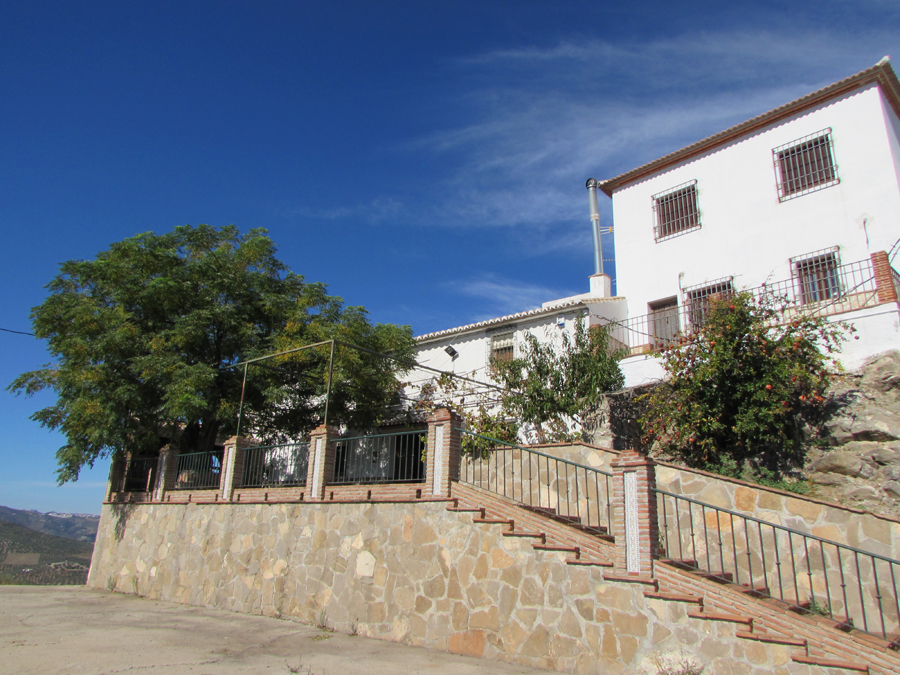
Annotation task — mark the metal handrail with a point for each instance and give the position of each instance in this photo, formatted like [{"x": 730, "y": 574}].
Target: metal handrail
[
  {"x": 753, "y": 553},
  {"x": 140, "y": 474},
  {"x": 282, "y": 465},
  {"x": 564, "y": 489},
  {"x": 381, "y": 458}
]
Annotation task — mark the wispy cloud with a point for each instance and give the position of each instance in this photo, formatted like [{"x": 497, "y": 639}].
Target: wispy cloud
[
  {"x": 592, "y": 108},
  {"x": 505, "y": 296}
]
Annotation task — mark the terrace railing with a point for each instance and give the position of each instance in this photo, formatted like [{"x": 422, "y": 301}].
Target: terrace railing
[
  {"x": 139, "y": 474},
  {"x": 381, "y": 458},
  {"x": 843, "y": 288},
  {"x": 856, "y": 588},
  {"x": 198, "y": 470},
  {"x": 282, "y": 465},
  {"x": 566, "y": 490}
]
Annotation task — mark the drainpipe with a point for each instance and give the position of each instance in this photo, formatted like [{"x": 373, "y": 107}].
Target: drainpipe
[{"x": 595, "y": 223}]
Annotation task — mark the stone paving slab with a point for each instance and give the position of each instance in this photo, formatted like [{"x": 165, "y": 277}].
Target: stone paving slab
[{"x": 72, "y": 629}]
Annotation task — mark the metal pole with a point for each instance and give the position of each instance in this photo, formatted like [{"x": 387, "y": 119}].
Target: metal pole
[
  {"x": 241, "y": 409},
  {"x": 595, "y": 224},
  {"x": 328, "y": 392}
]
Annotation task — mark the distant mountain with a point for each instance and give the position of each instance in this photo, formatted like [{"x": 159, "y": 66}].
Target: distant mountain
[
  {"x": 29, "y": 557},
  {"x": 77, "y": 526}
]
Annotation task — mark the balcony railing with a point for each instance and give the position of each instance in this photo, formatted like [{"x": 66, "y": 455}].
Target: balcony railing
[
  {"x": 836, "y": 290},
  {"x": 381, "y": 458},
  {"x": 198, "y": 471},
  {"x": 139, "y": 474},
  {"x": 275, "y": 465}
]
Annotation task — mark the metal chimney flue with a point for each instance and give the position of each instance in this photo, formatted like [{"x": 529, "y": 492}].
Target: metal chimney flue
[{"x": 595, "y": 224}]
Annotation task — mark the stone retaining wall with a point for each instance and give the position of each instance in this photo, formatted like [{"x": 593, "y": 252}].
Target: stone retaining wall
[{"x": 410, "y": 572}]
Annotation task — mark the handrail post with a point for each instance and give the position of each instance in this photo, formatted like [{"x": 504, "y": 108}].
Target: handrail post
[
  {"x": 635, "y": 523},
  {"x": 165, "y": 471},
  {"x": 884, "y": 281},
  {"x": 322, "y": 446},
  {"x": 233, "y": 465},
  {"x": 443, "y": 455}
]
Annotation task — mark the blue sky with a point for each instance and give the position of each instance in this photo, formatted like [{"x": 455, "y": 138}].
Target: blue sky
[{"x": 425, "y": 160}]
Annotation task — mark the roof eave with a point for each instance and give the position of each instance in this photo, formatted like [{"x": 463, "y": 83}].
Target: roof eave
[{"x": 881, "y": 73}]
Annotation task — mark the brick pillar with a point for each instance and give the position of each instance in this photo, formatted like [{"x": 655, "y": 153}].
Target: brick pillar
[
  {"x": 444, "y": 442},
  {"x": 322, "y": 444},
  {"x": 635, "y": 523},
  {"x": 233, "y": 464},
  {"x": 165, "y": 471},
  {"x": 116, "y": 475},
  {"x": 884, "y": 279}
]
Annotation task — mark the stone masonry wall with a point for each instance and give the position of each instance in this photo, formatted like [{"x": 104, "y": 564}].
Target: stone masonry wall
[{"x": 409, "y": 572}]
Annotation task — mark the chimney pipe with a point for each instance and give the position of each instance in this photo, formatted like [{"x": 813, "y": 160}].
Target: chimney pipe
[{"x": 595, "y": 223}]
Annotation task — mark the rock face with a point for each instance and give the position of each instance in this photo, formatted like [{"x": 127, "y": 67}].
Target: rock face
[{"x": 861, "y": 464}]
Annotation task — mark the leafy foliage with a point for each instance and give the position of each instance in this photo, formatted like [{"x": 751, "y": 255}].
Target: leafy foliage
[
  {"x": 553, "y": 384},
  {"x": 546, "y": 391},
  {"x": 145, "y": 335},
  {"x": 734, "y": 395}
]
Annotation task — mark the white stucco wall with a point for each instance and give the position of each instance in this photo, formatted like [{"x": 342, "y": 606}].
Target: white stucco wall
[{"x": 746, "y": 232}]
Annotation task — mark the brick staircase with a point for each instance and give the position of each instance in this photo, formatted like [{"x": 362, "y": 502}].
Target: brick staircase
[{"x": 818, "y": 641}]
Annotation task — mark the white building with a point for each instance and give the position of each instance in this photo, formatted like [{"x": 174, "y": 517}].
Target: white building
[
  {"x": 468, "y": 350},
  {"x": 799, "y": 198}
]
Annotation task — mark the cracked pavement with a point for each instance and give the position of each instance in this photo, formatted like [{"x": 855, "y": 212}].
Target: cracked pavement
[{"x": 77, "y": 630}]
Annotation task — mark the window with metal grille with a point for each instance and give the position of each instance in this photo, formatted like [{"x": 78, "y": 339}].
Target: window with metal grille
[
  {"x": 503, "y": 347},
  {"x": 664, "y": 321},
  {"x": 676, "y": 211},
  {"x": 817, "y": 275},
  {"x": 699, "y": 297},
  {"x": 805, "y": 165}
]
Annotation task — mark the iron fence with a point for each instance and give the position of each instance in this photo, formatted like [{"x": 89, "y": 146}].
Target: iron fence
[
  {"x": 833, "y": 290},
  {"x": 566, "y": 490},
  {"x": 381, "y": 458},
  {"x": 856, "y": 588},
  {"x": 139, "y": 474},
  {"x": 198, "y": 470},
  {"x": 282, "y": 465}
]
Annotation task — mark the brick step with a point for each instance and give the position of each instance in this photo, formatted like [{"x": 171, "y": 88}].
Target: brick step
[
  {"x": 558, "y": 547},
  {"x": 675, "y": 597},
  {"x": 633, "y": 579},
  {"x": 771, "y": 639},
  {"x": 589, "y": 563},
  {"x": 494, "y": 521},
  {"x": 721, "y": 616},
  {"x": 519, "y": 533},
  {"x": 829, "y": 663}
]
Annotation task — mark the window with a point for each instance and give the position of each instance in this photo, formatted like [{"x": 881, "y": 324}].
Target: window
[
  {"x": 664, "y": 322},
  {"x": 503, "y": 346},
  {"x": 805, "y": 165},
  {"x": 698, "y": 298},
  {"x": 817, "y": 275},
  {"x": 676, "y": 211}
]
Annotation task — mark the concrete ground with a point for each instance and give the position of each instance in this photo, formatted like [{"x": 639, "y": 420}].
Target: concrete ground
[{"x": 71, "y": 629}]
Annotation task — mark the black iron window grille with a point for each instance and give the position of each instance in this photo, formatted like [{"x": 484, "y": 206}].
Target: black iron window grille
[
  {"x": 676, "y": 211},
  {"x": 699, "y": 297},
  {"x": 817, "y": 275},
  {"x": 503, "y": 347},
  {"x": 805, "y": 165}
]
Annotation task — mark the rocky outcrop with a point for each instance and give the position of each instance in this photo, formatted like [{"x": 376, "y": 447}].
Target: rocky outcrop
[{"x": 858, "y": 462}]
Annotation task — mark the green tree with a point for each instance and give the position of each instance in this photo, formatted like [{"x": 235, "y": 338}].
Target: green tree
[
  {"x": 145, "y": 335},
  {"x": 736, "y": 394},
  {"x": 554, "y": 383}
]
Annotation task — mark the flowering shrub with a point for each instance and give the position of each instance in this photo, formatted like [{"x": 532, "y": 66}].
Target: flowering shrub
[{"x": 737, "y": 391}]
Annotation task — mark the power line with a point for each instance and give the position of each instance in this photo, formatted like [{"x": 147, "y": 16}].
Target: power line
[{"x": 17, "y": 332}]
